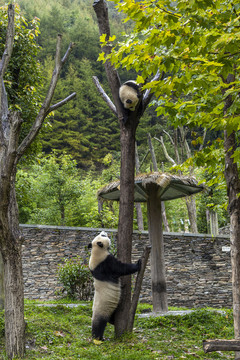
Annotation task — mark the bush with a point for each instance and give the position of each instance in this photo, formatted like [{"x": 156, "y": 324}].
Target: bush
[
  {"x": 1, "y": 324},
  {"x": 76, "y": 279}
]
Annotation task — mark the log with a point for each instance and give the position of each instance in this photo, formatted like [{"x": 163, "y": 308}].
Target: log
[
  {"x": 221, "y": 345},
  {"x": 137, "y": 288}
]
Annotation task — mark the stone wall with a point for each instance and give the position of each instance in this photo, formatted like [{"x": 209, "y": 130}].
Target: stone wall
[{"x": 198, "y": 266}]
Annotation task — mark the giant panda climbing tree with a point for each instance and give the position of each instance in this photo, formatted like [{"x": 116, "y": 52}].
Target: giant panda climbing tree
[{"x": 127, "y": 141}]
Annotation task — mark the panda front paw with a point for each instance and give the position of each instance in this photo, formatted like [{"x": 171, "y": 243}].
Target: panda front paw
[{"x": 139, "y": 264}]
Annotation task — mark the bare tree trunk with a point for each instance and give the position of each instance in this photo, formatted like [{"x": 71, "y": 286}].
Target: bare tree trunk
[
  {"x": 213, "y": 223},
  {"x": 155, "y": 168},
  {"x": 14, "y": 302},
  {"x": 1, "y": 283},
  {"x": 138, "y": 285},
  {"x": 125, "y": 227},
  {"x": 158, "y": 273},
  {"x": 192, "y": 213},
  {"x": 138, "y": 205},
  {"x": 190, "y": 201},
  {"x": 139, "y": 216},
  {"x": 10, "y": 153},
  {"x": 10, "y": 245},
  {"x": 127, "y": 140},
  {"x": 233, "y": 189}
]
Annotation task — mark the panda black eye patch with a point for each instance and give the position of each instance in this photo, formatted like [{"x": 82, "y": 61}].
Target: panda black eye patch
[{"x": 100, "y": 244}]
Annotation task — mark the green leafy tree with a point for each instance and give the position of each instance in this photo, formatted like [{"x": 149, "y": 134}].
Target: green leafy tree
[
  {"x": 54, "y": 191},
  {"x": 24, "y": 78},
  {"x": 12, "y": 149},
  {"x": 195, "y": 45}
]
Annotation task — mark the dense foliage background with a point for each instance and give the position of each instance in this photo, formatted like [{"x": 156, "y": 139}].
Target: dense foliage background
[{"x": 78, "y": 150}]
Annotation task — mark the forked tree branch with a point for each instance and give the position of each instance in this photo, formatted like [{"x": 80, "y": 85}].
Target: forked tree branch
[
  {"x": 45, "y": 108},
  {"x": 168, "y": 157}
]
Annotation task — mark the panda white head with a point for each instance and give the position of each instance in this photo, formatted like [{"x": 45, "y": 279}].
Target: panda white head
[
  {"x": 129, "y": 94},
  {"x": 101, "y": 241},
  {"x": 100, "y": 249}
]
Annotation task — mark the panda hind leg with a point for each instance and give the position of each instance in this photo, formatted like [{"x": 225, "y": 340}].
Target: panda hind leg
[
  {"x": 98, "y": 327},
  {"x": 112, "y": 318}
]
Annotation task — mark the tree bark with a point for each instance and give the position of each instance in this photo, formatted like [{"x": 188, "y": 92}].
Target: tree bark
[
  {"x": 221, "y": 345},
  {"x": 233, "y": 190},
  {"x": 10, "y": 243},
  {"x": 125, "y": 226},
  {"x": 137, "y": 288},
  {"x": 127, "y": 140},
  {"x": 14, "y": 302},
  {"x": 190, "y": 201},
  {"x": 155, "y": 168},
  {"x": 158, "y": 273},
  {"x": 192, "y": 213},
  {"x": 1, "y": 283},
  {"x": 138, "y": 205},
  {"x": 10, "y": 153}
]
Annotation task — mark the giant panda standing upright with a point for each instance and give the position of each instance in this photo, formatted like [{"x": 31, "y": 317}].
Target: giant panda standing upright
[{"x": 106, "y": 270}]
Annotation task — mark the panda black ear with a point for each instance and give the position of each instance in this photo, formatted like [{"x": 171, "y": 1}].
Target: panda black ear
[{"x": 100, "y": 244}]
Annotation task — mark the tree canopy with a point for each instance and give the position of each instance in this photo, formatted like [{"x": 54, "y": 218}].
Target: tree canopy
[{"x": 195, "y": 45}]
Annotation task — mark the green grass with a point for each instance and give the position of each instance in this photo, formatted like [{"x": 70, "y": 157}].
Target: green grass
[{"x": 61, "y": 333}]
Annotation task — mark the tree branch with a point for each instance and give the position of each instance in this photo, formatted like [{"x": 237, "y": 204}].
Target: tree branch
[
  {"x": 144, "y": 158},
  {"x": 45, "y": 108},
  {"x": 4, "y": 126},
  {"x": 61, "y": 103},
  {"x": 168, "y": 157},
  {"x": 184, "y": 141},
  {"x": 148, "y": 95},
  {"x": 152, "y": 152},
  {"x": 101, "y": 10},
  {"x": 170, "y": 138},
  {"x": 204, "y": 137},
  {"x": 137, "y": 288},
  {"x": 9, "y": 41},
  {"x": 105, "y": 97}
]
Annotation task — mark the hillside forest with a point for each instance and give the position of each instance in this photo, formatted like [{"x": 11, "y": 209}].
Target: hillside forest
[{"x": 78, "y": 150}]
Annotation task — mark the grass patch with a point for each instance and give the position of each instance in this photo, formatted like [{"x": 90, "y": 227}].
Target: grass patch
[{"x": 61, "y": 332}]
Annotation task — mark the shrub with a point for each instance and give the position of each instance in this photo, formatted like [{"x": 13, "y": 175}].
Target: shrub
[
  {"x": 1, "y": 324},
  {"x": 76, "y": 279}
]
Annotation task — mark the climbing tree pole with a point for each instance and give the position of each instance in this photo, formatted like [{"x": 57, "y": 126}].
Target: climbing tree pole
[{"x": 127, "y": 141}]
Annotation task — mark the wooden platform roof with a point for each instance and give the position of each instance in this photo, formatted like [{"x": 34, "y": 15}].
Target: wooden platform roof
[{"x": 169, "y": 187}]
